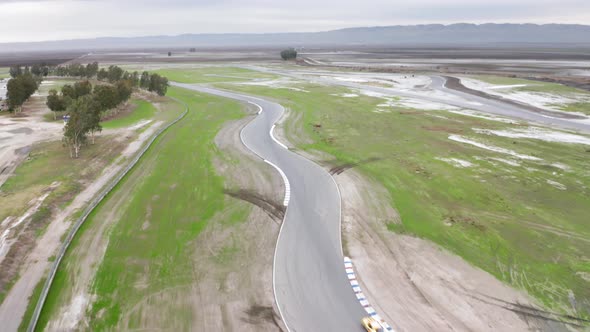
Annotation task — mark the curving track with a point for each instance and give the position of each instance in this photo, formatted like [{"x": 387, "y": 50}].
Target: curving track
[
  {"x": 506, "y": 109},
  {"x": 311, "y": 287},
  {"x": 449, "y": 97}
]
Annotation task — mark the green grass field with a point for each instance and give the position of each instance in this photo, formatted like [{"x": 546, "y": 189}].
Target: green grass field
[
  {"x": 4, "y": 72},
  {"x": 143, "y": 110},
  {"x": 175, "y": 191},
  {"x": 31, "y": 308},
  {"x": 56, "y": 83},
  {"x": 212, "y": 74},
  {"x": 504, "y": 219}
]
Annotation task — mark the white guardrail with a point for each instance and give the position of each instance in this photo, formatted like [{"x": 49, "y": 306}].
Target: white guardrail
[
  {"x": 94, "y": 203},
  {"x": 361, "y": 297}
]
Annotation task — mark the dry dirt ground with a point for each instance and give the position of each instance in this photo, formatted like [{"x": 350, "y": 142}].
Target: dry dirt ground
[
  {"x": 27, "y": 58},
  {"x": 18, "y": 133},
  {"x": 209, "y": 55},
  {"x": 414, "y": 284},
  {"x": 232, "y": 289}
]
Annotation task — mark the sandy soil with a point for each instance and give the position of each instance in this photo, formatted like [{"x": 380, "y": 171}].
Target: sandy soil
[
  {"x": 10, "y": 224},
  {"x": 414, "y": 284},
  {"x": 36, "y": 263},
  {"x": 18, "y": 133},
  {"x": 17, "y": 237}
]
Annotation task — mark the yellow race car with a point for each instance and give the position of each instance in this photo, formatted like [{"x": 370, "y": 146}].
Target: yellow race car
[{"x": 371, "y": 325}]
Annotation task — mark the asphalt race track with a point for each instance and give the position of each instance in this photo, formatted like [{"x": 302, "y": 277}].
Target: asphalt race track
[{"x": 311, "y": 287}]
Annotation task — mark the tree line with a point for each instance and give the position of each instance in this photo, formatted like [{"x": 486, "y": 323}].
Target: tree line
[
  {"x": 86, "y": 106},
  {"x": 84, "y": 103},
  {"x": 22, "y": 85},
  {"x": 76, "y": 70},
  {"x": 37, "y": 70},
  {"x": 112, "y": 74}
]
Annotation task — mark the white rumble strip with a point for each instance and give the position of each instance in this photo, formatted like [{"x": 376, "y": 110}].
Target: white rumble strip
[
  {"x": 276, "y": 140},
  {"x": 286, "y": 180}
]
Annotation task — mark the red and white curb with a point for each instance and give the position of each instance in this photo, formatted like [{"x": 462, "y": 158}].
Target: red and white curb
[{"x": 361, "y": 297}]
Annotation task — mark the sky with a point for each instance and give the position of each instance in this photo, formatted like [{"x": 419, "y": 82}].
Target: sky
[{"x": 37, "y": 20}]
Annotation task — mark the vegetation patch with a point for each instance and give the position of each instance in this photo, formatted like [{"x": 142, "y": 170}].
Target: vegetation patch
[
  {"x": 483, "y": 212},
  {"x": 48, "y": 166},
  {"x": 31, "y": 306},
  {"x": 163, "y": 210},
  {"x": 581, "y": 107},
  {"x": 212, "y": 74},
  {"x": 48, "y": 163},
  {"x": 143, "y": 110}
]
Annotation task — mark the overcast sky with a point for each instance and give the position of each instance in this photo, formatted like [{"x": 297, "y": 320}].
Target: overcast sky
[{"x": 69, "y": 19}]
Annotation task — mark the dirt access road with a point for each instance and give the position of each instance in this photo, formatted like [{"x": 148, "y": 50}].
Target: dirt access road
[{"x": 37, "y": 261}]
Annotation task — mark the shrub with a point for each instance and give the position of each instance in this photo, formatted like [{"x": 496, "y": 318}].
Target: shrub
[{"x": 289, "y": 54}]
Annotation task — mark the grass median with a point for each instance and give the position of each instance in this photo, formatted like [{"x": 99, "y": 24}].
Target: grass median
[
  {"x": 142, "y": 110},
  {"x": 212, "y": 74}
]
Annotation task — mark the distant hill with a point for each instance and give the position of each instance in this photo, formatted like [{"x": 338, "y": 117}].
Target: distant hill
[{"x": 431, "y": 34}]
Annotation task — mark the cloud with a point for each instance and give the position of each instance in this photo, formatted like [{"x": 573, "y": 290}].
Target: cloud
[{"x": 66, "y": 19}]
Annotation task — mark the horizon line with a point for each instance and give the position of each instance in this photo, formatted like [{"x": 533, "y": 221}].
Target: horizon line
[{"x": 283, "y": 32}]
